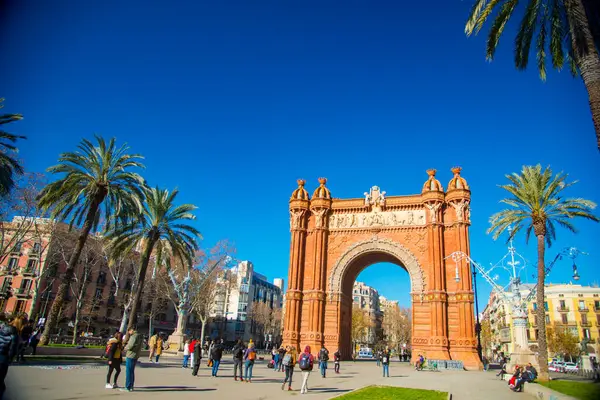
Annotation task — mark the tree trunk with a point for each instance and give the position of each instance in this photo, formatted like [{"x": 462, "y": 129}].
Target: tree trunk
[
  {"x": 541, "y": 310},
  {"x": 589, "y": 66},
  {"x": 69, "y": 272},
  {"x": 203, "y": 320},
  {"x": 76, "y": 323},
  {"x": 124, "y": 319},
  {"x": 137, "y": 298}
]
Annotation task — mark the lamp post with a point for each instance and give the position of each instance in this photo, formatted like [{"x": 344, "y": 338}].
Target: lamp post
[{"x": 477, "y": 324}]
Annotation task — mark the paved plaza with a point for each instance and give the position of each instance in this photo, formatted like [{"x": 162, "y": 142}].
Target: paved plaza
[{"x": 169, "y": 379}]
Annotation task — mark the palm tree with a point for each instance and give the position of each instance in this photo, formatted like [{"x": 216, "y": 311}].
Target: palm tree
[
  {"x": 567, "y": 29},
  {"x": 160, "y": 226},
  {"x": 95, "y": 179},
  {"x": 9, "y": 166},
  {"x": 537, "y": 204}
]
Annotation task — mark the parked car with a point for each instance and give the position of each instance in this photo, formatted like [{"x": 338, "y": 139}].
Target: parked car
[
  {"x": 556, "y": 366},
  {"x": 365, "y": 354},
  {"x": 570, "y": 367}
]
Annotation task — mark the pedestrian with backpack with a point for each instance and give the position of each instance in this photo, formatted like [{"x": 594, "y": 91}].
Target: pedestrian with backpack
[
  {"x": 216, "y": 354},
  {"x": 249, "y": 358},
  {"x": 385, "y": 361},
  {"x": 289, "y": 361},
  {"x": 238, "y": 357},
  {"x": 336, "y": 361},
  {"x": 114, "y": 356},
  {"x": 323, "y": 358},
  {"x": 306, "y": 363},
  {"x": 282, "y": 353}
]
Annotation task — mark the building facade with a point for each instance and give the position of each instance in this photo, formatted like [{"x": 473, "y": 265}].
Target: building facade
[
  {"x": 367, "y": 299},
  {"x": 572, "y": 307},
  {"x": 232, "y": 314}
]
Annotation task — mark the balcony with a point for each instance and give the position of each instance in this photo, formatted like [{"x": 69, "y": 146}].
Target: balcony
[
  {"x": 28, "y": 271},
  {"x": 586, "y": 324},
  {"x": 562, "y": 309},
  {"x": 23, "y": 292},
  {"x": 584, "y": 310},
  {"x": 597, "y": 308}
]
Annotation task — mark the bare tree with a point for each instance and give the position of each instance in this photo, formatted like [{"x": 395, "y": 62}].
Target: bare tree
[
  {"x": 397, "y": 326},
  {"x": 361, "y": 323},
  {"x": 265, "y": 319},
  {"x": 209, "y": 281},
  {"x": 155, "y": 300}
]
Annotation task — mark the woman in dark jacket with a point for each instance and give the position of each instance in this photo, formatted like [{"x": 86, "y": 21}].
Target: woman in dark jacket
[
  {"x": 9, "y": 340},
  {"x": 115, "y": 358},
  {"x": 197, "y": 357}
]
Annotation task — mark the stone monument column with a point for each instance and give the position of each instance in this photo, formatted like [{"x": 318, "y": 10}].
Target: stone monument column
[
  {"x": 299, "y": 206},
  {"x": 320, "y": 206},
  {"x": 436, "y": 296},
  {"x": 463, "y": 346}
]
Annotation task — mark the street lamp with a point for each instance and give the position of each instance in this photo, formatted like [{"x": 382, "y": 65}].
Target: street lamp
[{"x": 477, "y": 324}]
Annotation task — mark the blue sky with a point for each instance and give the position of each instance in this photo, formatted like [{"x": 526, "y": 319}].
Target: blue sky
[{"x": 232, "y": 101}]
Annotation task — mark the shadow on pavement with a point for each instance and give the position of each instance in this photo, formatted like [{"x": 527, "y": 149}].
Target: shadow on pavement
[
  {"x": 328, "y": 390},
  {"x": 172, "y": 389}
]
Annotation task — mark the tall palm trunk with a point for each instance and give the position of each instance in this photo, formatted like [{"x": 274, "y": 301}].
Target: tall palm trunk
[
  {"x": 589, "y": 66},
  {"x": 57, "y": 305},
  {"x": 137, "y": 298},
  {"x": 541, "y": 310}
]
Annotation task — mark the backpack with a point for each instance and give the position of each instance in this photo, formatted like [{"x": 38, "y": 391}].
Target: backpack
[
  {"x": 107, "y": 350},
  {"x": 324, "y": 355},
  {"x": 287, "y": 360},
  {"x": 305, "y": 362},
  {"x": 238, "y": 352},
  {"x": 251, "y": 355}
]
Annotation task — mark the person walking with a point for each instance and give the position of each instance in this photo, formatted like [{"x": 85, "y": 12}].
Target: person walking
[
  {"x": 152, "y": 346},
  {"x": 289, "y": 362},
  {"x": 238, "y": 357},
  {"x": 378, "y": 357},
  {"x": 282, "y": 353},
  {"x": 216, "y": 354},
  {"x": 385, "y": 361},
  {"x": 159, "y": 347},
  {"x": 114, "y": 356},
  {"x": 249, "y": 358},
  {"x": 306, "y": 364},
  {"x": 196, "y": 356},
  {"x": 35, "y": 339},
  {"x": 323, "y": 359},
  {"x": 192, "y": 345},
  {"x": 336, "y": 361},
  {"x": 9, "y": 341},
  {"x": 133, "y": 350},
  {"x": 24, "y": 341},
  {"x": 186, "y": 353}
]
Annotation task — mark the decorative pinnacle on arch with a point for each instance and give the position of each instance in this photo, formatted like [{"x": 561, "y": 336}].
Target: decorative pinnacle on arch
[
  {"x": 300, "y": 193},
  {"x": 432, "y": 184},
  {"x": 322, "y": 192},
  {"x": 457, "y": 181}
]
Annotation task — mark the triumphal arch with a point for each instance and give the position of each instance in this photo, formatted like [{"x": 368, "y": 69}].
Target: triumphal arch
[{"x": 333, "y": 240}]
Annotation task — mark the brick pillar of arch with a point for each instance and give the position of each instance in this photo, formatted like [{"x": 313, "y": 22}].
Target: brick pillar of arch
[
  {"x": 315, "y": 295},
  {"x": 436, "y": 294},
  {"x": 463, "y": 341},
  {"x": 293, "y": 311}
]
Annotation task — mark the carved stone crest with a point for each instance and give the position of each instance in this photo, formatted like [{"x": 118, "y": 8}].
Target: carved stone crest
[{"x": 375, "y": 198}]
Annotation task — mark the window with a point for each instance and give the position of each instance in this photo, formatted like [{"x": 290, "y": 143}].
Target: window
[
  {"x": 31, "y": 265},
  {"x": 98, "y": 294},
  {"x": 37, "y": 248},
  {"x": 586, "y": 334},
  {"x": 546, "y": 305},
  {"x": 101, "y": 278},
  {"x": 534, "y": 306},
  {"x": 562, "y": 304},
  {"x": 13, "y": 263},
  {"x": 547, "y": 319},
  {"x": 597, "y": 304},
  {"x": 564, "y": 318},
  {"x": 26, "y": 284},
  {"x": 20, "y": 307},
  {"x": 7, "y": 283},
  {"x": 17, "y": 247},
  {"x": 584, "y": 319},
  {"x": 598, "y": 319},
  {"x": 581, "y": 305},
  {"x": 528, "y": 335}
]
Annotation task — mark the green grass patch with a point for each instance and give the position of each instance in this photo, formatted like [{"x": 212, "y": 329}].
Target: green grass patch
[
  {"x": 72, "y": 346},
  {"x": 580, "y": 390},
  {"x": 389, "y": 393}
]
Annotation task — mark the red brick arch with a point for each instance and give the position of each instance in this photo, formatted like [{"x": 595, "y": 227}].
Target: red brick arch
[{"x": 334, "y": 239}]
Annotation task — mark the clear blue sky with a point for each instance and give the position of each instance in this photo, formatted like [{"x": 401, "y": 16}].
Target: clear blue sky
[{"x": 232, "y": 101}]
